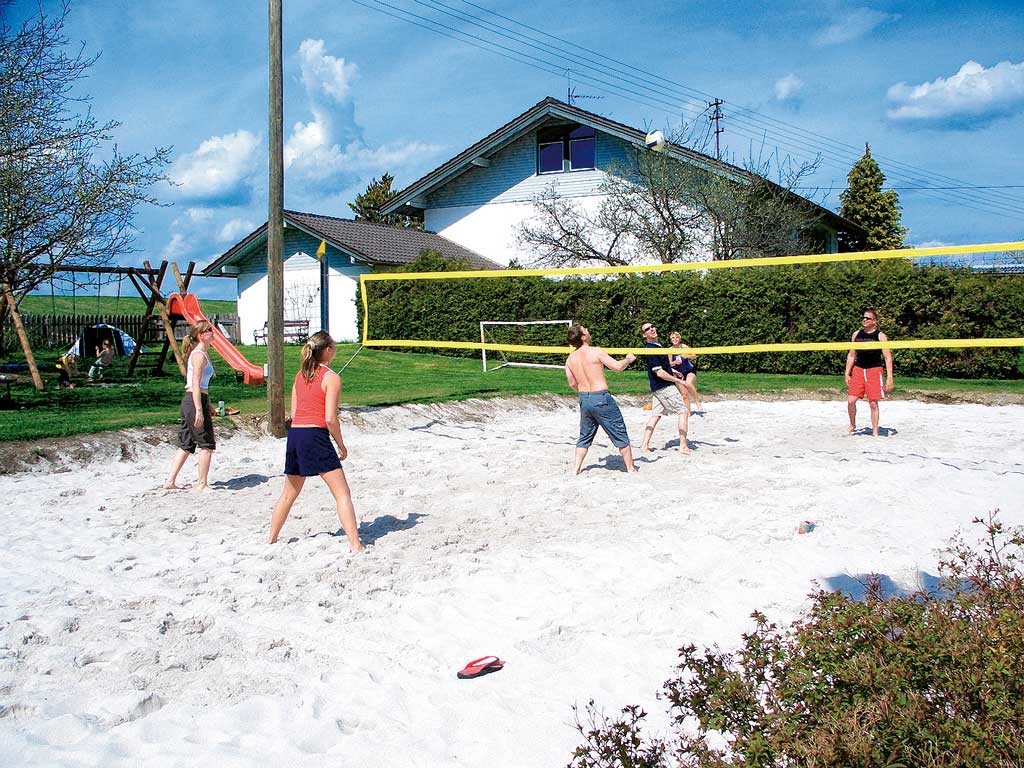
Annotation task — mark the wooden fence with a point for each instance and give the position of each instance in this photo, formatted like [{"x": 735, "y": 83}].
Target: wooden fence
[{"x": 61, "y": 331}]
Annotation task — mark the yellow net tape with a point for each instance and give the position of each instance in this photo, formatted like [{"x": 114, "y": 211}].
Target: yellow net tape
[{"x": 775, "y": 261}]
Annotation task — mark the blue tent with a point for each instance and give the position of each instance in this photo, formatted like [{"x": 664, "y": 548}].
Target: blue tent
[{"x": 92, "y": 337}]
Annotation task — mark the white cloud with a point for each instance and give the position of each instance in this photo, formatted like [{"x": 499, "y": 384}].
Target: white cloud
[
  {"x": 311, "y": 152},
  {"x": 328, "y": 149},
  {"x": 308, "y": 141},
  {"x": 322, "y": 73},
  {"x": 970, "y": 98},
  {"x": 198, "y": 215},
  {"x": 852, "y": 24},
  {"x": 175, "y": 249},
  {"x": 787, "y": 87},
  {"x": 218, "y": 168},
  {"x": 235, "y": 230}
]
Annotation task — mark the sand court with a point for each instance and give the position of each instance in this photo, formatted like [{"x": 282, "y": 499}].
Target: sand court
[{"x": 140, "y": 626}]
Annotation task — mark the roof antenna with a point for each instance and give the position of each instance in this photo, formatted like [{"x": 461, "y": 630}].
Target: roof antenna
[{"x": 570, "y": 92}]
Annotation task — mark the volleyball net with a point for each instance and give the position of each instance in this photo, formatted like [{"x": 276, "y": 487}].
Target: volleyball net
[{"x": 701, "y": 266}]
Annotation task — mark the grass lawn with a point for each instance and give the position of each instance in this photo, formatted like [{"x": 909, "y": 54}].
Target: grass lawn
[
  {"x": 374, "y": 378},
  {"x": 84, "y": 304}
]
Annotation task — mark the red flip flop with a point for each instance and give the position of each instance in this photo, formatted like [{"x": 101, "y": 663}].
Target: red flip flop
[{"x": 482, "y": 666}]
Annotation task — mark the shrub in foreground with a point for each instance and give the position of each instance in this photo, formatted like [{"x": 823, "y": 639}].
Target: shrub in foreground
[{"x": 931, "y": 679}]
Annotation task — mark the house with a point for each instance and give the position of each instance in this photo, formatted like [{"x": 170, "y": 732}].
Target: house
[
  {"x": 479, "y": 197},
  {"x": 324, "y": 292}
]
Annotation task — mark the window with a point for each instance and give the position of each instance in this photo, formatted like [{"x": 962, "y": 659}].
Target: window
[{"x": 566, "y": 148}]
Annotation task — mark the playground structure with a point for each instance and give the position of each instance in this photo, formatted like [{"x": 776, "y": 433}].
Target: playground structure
[
  {"x": 160, "y": 316},
  {"x": 187, "y": 306}
]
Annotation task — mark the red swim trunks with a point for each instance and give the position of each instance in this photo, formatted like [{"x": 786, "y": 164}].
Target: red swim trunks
[{"x": 866, "y": 381}]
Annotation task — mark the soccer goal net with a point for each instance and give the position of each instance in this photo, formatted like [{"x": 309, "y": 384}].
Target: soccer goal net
[{"x": 515, "y": 332}]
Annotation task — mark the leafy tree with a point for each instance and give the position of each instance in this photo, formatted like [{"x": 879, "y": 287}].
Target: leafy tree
[
  {"x": 60, "y": 204},
  {"x": 865, "y": 203},
  {"x": 677, "y": 205},
  {"x": 378, "y": 192}
]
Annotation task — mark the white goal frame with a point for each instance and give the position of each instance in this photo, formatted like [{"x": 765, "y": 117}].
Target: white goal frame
[{"x": 507, "y": 363}]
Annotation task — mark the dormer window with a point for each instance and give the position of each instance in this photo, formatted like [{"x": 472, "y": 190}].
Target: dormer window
[{"x": 566, "y": 148}]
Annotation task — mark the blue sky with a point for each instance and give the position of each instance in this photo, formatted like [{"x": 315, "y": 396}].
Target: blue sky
[{"x": 937, "y": 88}]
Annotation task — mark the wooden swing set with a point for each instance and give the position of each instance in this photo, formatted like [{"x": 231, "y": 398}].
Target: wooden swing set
[{"x": 147, "y": 280}]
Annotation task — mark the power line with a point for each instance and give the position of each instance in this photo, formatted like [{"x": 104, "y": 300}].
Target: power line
[
  {"x": 845, "y": 148},
  {"x": 790, "y": 137},
  {"x": 920, "y": 189}
]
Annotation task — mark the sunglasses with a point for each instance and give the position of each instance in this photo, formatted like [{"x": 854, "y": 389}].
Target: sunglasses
[
  {"x": 648, "y": 328},
  {"x": 867, "y": 318}
]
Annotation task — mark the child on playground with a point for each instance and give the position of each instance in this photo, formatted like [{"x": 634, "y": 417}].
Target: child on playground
[
  {"x": 104, "y": 356},
  {"x": 309, "y": 452},
  {"x": 66, "y": 365}
]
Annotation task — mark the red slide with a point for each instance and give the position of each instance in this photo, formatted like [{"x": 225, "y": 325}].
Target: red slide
[{"x": 187, "y": 306}]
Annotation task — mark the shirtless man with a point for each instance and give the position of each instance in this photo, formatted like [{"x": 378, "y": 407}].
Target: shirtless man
[
  {"x": 864, "y": 371},
  {"x": 584, "y": 370}
]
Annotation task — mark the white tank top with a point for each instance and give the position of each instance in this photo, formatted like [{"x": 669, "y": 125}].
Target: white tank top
[{"x": 204, "y": 379}]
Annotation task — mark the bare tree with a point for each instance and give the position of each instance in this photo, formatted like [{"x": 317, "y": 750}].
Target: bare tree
[
  {"x": 565, "y": 234},
  {"x": 61, "y": 205},
  {"x": 300, "y": 299},
  {"x": 677, "y": 205}
]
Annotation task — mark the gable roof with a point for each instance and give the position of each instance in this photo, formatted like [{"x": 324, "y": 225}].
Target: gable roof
[
  {"x": 406, "y": 200},
  {"x": 376, "y": 245}
]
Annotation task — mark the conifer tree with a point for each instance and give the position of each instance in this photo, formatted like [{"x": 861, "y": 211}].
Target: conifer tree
[
  {"x": 368, "y": 204},
  {"x": 865, "y": 203}
]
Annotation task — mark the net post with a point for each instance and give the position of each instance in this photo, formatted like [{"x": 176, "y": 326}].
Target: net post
[{"x": 483, "y": 350}]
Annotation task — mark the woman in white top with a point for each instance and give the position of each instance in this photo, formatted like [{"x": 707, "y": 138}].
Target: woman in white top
[{"x": 196, "y": 430}]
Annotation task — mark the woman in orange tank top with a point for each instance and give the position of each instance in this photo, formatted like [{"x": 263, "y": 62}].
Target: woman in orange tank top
[{"x": 309, "y": 451}]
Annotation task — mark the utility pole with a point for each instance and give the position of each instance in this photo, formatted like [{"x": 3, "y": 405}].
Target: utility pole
[
  {"x": 275, "y": 234},
  {"x": 716, "y": 118}
]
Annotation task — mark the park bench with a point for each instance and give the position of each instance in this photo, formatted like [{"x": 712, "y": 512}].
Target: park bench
[{"x": 294, "y": 330}]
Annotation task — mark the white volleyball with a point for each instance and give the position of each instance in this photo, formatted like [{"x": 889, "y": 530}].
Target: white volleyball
[{"x": 656, "y": 141}]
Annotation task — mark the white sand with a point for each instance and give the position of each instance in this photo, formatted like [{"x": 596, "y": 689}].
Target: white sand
[{"x": 144, "y": 627}]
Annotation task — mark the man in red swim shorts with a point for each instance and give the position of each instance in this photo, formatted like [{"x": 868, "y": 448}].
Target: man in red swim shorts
[{"x": 864, "y": 371}]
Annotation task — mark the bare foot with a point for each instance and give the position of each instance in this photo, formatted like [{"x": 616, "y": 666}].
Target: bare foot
[
  {"x": 684, "y": 447},
  {"x": 646, "y": 448},
  {"x": 357, "y": 548},
  {"x": 171, "y": 487},
  {"x": 875, "y": 433},
  {"x": 851, "y": 429},
  {"x": 206, "y": 489}
]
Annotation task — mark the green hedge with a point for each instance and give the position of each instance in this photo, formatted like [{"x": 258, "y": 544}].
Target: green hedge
[{"x": 803, "y": 303}]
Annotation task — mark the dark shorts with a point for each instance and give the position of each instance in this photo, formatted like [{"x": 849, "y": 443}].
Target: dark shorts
[
  {"x": 190, "y": 438},
  {"x": 309, "y": 452},
  {"x": 600, "y": 409}
]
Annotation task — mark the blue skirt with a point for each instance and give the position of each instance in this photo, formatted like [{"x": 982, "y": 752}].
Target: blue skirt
[{"x": 310, "y": 452}]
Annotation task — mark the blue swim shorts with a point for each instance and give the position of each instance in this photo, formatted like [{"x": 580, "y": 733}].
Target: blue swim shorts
[
  {"x": 310, "y": 452},
  {"x": 600, "y": 409}
]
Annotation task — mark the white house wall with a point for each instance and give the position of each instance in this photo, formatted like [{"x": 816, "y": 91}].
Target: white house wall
[
  {"x": 300, "y": 270},
  {"x": 491, "y": 229},
  {"x": 482, "y": 208}
]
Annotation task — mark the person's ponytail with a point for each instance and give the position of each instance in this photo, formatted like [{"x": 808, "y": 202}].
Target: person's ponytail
[{"x": 312, "y": 352}]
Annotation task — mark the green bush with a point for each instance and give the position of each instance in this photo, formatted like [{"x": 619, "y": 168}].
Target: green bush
[
  {"x": 931, "y": 679},
  {"x": 803, "y": 303}
]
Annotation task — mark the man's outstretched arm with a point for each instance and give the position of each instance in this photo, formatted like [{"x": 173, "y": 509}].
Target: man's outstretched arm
[{"x": 612, "y": 364}]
